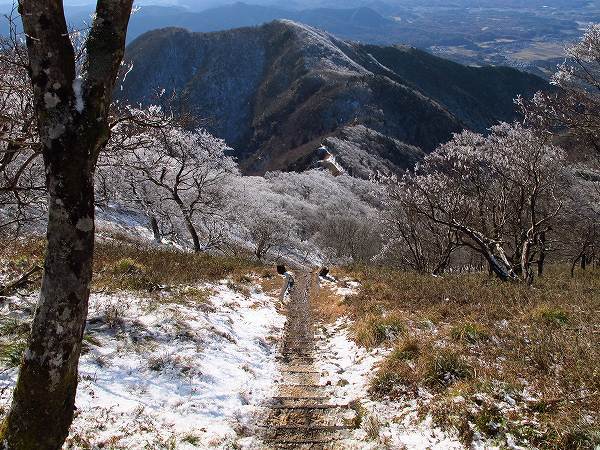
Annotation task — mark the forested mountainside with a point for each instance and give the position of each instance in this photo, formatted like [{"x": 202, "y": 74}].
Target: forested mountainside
[{"x": 294, "y": 86}]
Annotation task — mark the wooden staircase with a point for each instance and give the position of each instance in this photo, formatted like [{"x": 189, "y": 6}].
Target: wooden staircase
[{"x": 301, "y": 414}]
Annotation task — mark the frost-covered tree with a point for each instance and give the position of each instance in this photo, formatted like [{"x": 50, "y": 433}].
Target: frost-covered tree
[
  {"x": 23, "y": 194},
  {"x": 345, "y": 234},
  {"x": 71, "y": 110},
  {"x": 413, "y": 242},
  {"x": 574, "y": 107},
  {"x": 577, "y": 237},
  {"x": 572, "y": 112},
  {"x": 500, "y": 194},
  {"x": 336, "y": 214},
  {"x": 181, "y": 178},
  {"x": 536, "y": 173},
  {"x": 22, "y": 187},
  {"x": 309, "y": 215},
  {"x": 131, "y": 128},
  {"x": 263, "y": 215}
]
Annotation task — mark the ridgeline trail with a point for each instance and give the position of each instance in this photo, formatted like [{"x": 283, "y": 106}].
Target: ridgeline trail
[{"x": 301, "y": 414}]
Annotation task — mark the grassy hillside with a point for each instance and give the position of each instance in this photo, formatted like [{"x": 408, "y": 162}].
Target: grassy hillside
[
  {"x": 178, "y": 350},
  {"x": 487, "y": 360}
]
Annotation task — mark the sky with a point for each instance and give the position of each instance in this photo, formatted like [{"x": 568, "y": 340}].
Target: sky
[{"x": 199, "y": 5}]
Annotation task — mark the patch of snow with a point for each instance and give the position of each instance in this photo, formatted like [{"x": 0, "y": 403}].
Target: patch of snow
[
  {"x": 350, "y": 368},
  {"x": 376, "y": 61},
  {"x": 324, "y": 51},
  {"x": 166, "y": 374},
  {"x": 343, "y": 287},
  {"x": 349, "y": 287},
  {"x": 78, "y": 91},
  {"x": 129, "y": 69},
  {"x": 114, "y": 217}
]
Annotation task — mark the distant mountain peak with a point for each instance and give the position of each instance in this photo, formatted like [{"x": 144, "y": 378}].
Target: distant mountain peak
[
  {"x": 278, "y": 91},
  {"x": 322, "y": 51}
]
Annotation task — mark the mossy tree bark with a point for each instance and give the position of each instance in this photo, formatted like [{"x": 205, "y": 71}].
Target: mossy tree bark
[{"x": 72, "y": 114}]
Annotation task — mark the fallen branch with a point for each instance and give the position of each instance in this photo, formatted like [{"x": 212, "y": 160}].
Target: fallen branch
[{"x": 13, "y": 286}]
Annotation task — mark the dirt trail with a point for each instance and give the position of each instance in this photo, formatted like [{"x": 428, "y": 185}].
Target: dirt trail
[{"x": 302, "y": 416}]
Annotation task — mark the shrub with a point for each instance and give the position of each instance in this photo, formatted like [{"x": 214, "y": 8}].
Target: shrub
[
  {"x": 192, "y": 294},
  {"x": 128, "y": 266},
  {"x": 372, "y": 427},
  {"x": 581, "y": 437},
  {"x": 407, "y": 350},
  {"x": 490, "y": 421},
  {"x": 190, "y": 439},
  {"x": 157, "y": 363},
  {"x": 12, "y": 353},
  {"x": 444, "y": 367},
  {"x": 359, "y": 415},
  {"x": 395, "y": 376},
  {"x": 128, "y": 274},
  {"x": 552, "y": 316},
  {"x": 9, "y": 327},
  {"x": 469, "y": 332},
  {"x": 374, "y": 330},
  {"x": 391, "y": 381}
]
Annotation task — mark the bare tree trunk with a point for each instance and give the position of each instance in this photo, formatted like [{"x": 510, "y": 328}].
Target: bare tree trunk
[
  {"x": 189, "y": 224},
  {"x": 194, "y": 234},
  {"x": 492, "y": 251},
  {"x": 43, "y": 402},
  {"x": 72, "y": 117},
  {"x": 526, "y": 271},
  {"x": 542, "y": 258},
  {"x": 443, "y": 264},
  {"x": 155, "y": 229},
  {"x": 260, "y": 251}
]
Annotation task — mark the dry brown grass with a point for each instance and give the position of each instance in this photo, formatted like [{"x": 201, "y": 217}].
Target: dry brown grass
[
  {"x": 138, "y": 267},
  {"x": 475, "y": 337},
  {"x": 327, "y": 304},
  {"x": 270, "y": 281},
  {"x": 123, "y": 264}
]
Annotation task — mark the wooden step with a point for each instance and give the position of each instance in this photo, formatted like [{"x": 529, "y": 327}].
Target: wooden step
[
  {"x": 303, "y": 390},
  {"x": 302, "y": 419},
  {"x": 313, "y": 427},
  {"x": 292, "y": 403},
  {"x": 288, "y": 359},
  {"x": 310, "y": 397},
  {"x": 299, "y": 439},
  {"x": 310, "y": 407},
  {"x": 299, "y": 369}
]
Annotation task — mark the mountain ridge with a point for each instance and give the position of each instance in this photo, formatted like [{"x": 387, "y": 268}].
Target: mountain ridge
[{"x": 294, "y": 85}]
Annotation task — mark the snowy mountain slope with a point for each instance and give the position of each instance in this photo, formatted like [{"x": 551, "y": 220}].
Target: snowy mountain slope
[
  {"x": 366, "y": 151},
  {"x": 188, "y": 369},
  {"x": 274, "y": 92}
]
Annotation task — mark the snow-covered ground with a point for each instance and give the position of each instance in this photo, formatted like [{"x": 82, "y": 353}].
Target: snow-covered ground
[
  {"x": 114, "y": 218},
  {"x": 342, "y": 287},
  {"x": 186, "y": 369},
  {"x": 349, "y": 369}
]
